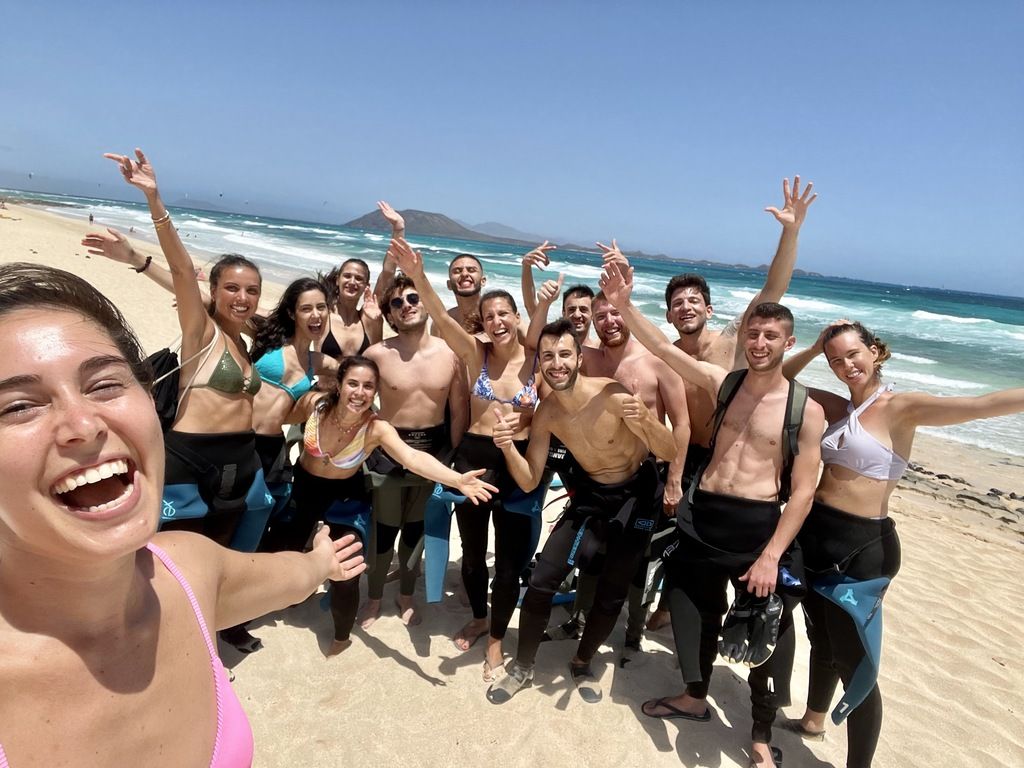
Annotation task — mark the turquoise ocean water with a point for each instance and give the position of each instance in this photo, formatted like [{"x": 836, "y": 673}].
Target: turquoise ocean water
[{"x": 943, "y": 342}]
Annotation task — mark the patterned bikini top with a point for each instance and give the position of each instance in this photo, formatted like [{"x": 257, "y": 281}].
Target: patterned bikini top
[
  {"x": 350, "y": 456},
  {"x": 524, "y": 398}
]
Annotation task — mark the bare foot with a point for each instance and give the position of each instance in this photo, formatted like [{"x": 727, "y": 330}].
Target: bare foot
[
  {"x": 407, "y": 610},
  {"x": 470, "y": 633},
  {"x": 494, "y": 661},
  {"x": 660, "y": 618},
  {"x": 369, "y": 613},
  {"x": 337, "y": 647},
  {"x": 764, "y": 755}
]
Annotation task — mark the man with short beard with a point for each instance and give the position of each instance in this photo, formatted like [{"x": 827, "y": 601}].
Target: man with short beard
[
  {"x": 419, "y": 376},
  {"x": 733, "y": 527},
  {"x": 466, "y": 279},
  {"x": 611, "y": 432}
]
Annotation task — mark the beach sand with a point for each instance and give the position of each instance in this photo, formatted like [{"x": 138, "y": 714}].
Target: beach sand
[{"x": 952, "y": 674}]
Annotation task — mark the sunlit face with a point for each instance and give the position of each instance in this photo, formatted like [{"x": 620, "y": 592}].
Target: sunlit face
[
  {"x": 500, "y": 321},
  {"x": 608, "y": 324},
  {"x": 850, "y": 359},
  {"x": 559, "y": 361},
  {"x": 353, "y": 280},
  {"x": 357, "y": 388},
  {"x": 765, "y": 343},
  {"x": 578, "y": 310},
  {"x": 408, "y": 316},
  {"x": 311, "y": 312},
  {"x": 236, "y": 294},
  {"x": 465, "y": 278},
  {"x": 687, "y": 311},
  {"x": 81, "y": 451}
]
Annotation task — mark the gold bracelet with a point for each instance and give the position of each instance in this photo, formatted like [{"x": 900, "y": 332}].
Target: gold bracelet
[{"x": 163, "y": 220}]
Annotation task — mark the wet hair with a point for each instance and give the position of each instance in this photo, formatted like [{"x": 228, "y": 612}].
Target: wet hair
[
  {"x": 398, "y": 285},
  {"x": 352, "y": 361},
  {"x": 867, "y": 338},
  {"x": 770, "y": 310},
  {"x": 229, "y": 261},
  {"x": 31, "y": 286},
  {"x": 497, "y": 293},
  {"x": 687, "y": 280},
  {"x": 330, "y": 280},
  {"x": 466, "y": 256},
  {"x": 559, "y": 328},
  {"x": 577, "y": 290},
  {"x": 279, "y": 325}
]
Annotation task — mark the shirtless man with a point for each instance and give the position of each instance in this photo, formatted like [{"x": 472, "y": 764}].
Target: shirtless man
[
  {"x": 576, "y": 299},
  {"x": 622, "y": 358},
  {"x": 419, "y": 375},
  {"x": 612, "y": 433},
  {"x": 466, "y": 279},
  {"x": 734, "y": 529}
]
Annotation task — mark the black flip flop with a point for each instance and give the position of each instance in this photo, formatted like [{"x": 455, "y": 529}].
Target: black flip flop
[{"x": 674, "y": 713}]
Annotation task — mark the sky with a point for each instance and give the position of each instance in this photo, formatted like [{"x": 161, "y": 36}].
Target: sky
[{"x": 666, "y": 125}]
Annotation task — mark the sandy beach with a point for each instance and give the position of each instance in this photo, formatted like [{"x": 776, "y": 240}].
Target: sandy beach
[{"x": 952, "y": 677}]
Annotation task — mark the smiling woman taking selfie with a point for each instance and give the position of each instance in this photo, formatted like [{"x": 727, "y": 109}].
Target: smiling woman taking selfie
[{"x": 111, "y": 619}]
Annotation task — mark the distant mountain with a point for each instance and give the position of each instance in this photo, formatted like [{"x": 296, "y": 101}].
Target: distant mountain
[
  {"x": 495, "y": 229},
  {"x": 429, "y": 224}
]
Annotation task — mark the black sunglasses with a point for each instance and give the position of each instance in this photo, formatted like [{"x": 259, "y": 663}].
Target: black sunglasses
[{"x": 412, "y": 298}]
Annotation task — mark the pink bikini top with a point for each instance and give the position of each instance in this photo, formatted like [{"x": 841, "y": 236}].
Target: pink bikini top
[{"x": 233, "y": 745}]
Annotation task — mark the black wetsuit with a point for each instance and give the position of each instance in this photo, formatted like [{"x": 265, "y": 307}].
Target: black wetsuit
[
  {"x": 619, "y": 517},
  {"x": 513, "y": 534},
  {"x": 836, "y": 542}
]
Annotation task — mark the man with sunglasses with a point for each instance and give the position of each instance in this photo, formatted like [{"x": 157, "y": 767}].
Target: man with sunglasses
[{"x": 419, "y": 376}]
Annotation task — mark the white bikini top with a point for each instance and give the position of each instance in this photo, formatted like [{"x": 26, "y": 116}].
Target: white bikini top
[{"x": 849, "y": 445}]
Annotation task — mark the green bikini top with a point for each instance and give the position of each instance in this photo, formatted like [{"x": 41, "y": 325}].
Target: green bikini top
[{"x": 227, "y": 376}]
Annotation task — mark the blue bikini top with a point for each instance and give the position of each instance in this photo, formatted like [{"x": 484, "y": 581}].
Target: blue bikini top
[
  {"x": 272, "y": 369},
  {"x": 524, "y": 398}
]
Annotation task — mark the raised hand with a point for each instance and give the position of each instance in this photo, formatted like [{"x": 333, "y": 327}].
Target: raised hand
[
  {"x": 550, "y": 290},
  {"x": 503, "y": 430},
  {"x": 113, "y": 245},
  {"x": 393, "y": 216},
  {"x": 617, "y": 282},
  {"x": 345, "y": 561},
  {"x": 408, "y": 260},
  {"x": 371, "y": 307},
  {"x": 138, "y": 172},
  {"x": 473, "y": 488},
  {"x": 611, "y": 253},
  {"x": 538, "y": 257},
  {"x": 794, "y": 205}
]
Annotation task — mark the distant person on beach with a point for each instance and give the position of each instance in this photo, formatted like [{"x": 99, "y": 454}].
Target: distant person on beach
[
  {"x": 848, "y": 540},
  {"x": 612, "y": 504},
  {"x": 90, "y": 218},
  {"x": 420, "y": 375},
  {"x": 732, "y": 527},
  {"x": 504, "y": 376},
  {"x": 341, "y": 431},
  {"x": 354, "y": 328},
  {"x": 106, "y": 653}
]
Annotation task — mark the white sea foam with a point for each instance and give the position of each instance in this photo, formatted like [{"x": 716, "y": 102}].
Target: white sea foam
[
  {"x": 913, "y": 359},
  {"x": 268, "y": 244},
  {"x": 938, "y": 382},
  {"x": 922, "y": 314}
]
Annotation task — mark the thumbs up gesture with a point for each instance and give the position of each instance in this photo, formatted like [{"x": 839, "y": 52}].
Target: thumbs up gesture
[
  {"x": 550, "y": 290},
  {"x": 633, "y": 407},
  {"x": 504, "y": 428}
]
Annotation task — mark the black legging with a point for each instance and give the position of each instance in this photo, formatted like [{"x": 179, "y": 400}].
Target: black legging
[
  {"x": 697, "y": 575},
  {"x": 862, "y": 548},
  {"x": 621, "y": 517},
  {"x": 513, "y": 534}
]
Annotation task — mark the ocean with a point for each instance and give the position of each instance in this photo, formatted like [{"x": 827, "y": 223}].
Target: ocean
[{"x": 944, "y": 342}]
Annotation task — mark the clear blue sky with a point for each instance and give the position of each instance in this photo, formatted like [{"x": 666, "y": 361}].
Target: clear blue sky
[{"x": 668, "y": 125}]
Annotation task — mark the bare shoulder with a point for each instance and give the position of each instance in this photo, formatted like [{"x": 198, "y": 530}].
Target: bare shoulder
[
  {"x": 196, "y": 556},
  {"x": 377, "y": 352},
  {"x": 814, "y": 416}
]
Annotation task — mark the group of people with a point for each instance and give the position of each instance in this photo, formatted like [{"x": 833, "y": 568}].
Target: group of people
[{"x": 700, "y": 456}]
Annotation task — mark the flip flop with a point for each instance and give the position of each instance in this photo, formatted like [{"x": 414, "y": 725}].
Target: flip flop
[
  {"x": 674, "y": 713},
  {"x": 492, "y": 674},
  {"x": 794, "y": 725}
]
